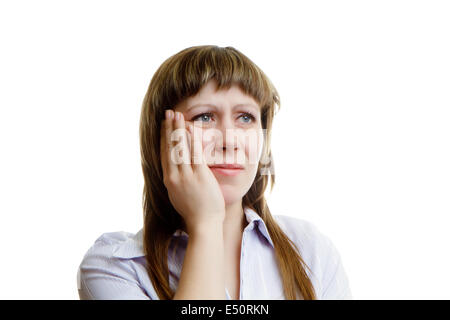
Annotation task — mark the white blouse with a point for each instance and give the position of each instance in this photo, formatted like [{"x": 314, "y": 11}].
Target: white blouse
[{"x": 114, "y": 267}]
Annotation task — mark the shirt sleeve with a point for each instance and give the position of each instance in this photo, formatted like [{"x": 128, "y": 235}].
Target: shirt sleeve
[
  {"x": 335, "y": 281},
  {"x": 103, "y": 277}
]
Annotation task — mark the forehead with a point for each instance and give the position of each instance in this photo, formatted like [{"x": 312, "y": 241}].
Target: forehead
[{"x": 223, "y": 98}]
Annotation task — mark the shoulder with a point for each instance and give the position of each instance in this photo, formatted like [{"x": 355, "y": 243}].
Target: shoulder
[
  {"x": 111, "y": 240},
  {"x": 311, "y": 242},
  {"x": 107, "y": 270},
  {"x": 107, "y": 245},
  {"x": 320, "y": 255},
  {"x": 303, "y": 232}
]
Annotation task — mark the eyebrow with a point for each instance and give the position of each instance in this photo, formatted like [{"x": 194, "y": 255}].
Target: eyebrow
[{"x": 214, "y": 106}]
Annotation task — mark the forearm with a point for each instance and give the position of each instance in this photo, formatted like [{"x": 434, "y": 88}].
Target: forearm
[{"x": 203, "y": 274}]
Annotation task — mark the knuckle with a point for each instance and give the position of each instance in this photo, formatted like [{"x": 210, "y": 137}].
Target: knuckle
[{"x": 170, "y": 180}]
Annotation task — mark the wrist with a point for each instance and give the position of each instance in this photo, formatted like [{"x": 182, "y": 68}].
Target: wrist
[{"x": 214, "y": 226}]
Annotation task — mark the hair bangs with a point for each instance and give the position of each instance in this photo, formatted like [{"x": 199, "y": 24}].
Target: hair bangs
[{"x": 190, "y": 69}]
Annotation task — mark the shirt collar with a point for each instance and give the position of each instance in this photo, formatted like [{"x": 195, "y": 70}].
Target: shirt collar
[
  {"x": 133, "y": 247},
  {"x": 254, "y": 218}
]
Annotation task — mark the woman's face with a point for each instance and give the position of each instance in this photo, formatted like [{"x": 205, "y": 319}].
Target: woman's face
[{"x": 230, "y": 123}]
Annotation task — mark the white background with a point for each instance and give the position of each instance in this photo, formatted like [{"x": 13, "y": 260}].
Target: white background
[{"x": 361, "y": 143}]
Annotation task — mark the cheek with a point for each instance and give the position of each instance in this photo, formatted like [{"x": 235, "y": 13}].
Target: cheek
[{"x": 254, "y": 148}]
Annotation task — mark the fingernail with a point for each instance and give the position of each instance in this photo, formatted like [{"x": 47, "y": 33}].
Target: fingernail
[
  {"x": 177, "y": 115},
  {"x": 167, "y": 114}
]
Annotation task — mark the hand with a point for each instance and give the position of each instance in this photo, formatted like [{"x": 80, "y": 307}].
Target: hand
[{"x": 192, "y": 187}]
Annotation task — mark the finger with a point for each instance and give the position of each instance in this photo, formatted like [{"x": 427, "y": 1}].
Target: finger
[
  {"x": 162, "y": 147},
  {"x": 189, "y": 137},
  {"x": 197, "y": 147},
  {"x": 171, "y": 167},
  {"x": 179, "y": 125}
]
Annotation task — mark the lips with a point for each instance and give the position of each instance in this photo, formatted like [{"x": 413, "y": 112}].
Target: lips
[
  {"x": 227, "y": 166},
  {"x": 227, "y": 169}
]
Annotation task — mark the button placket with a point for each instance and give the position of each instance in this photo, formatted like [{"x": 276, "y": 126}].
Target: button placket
[{"x": 241, "y": 289}]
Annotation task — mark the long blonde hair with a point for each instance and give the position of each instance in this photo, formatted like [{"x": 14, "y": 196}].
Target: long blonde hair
[{"x": 180, "y": 76}]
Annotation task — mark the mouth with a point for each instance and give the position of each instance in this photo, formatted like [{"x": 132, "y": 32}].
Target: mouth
[{"x": 227, "y": 169}]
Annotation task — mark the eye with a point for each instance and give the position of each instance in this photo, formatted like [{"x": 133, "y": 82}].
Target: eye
[
  {"x": 202, "y": 116},
  {"x": 248, "y": 116}
]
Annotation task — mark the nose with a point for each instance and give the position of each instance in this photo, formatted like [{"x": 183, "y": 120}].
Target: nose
[{"x": 228, "y": 142}]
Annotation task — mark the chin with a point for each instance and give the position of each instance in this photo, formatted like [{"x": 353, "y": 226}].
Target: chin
[{"x": 231, "y": 194}]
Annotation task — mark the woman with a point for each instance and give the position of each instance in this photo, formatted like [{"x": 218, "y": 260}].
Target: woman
[{"x": 208, "y": 232}]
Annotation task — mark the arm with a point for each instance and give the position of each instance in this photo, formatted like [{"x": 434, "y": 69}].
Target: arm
[
  {"x": 196, "y": 195},
  {"x": 108, "y": 287},
  {"x": 335, "y": 279},
  {"x": 203, "y": 274},
  {"x": 102, "y": 277}
]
